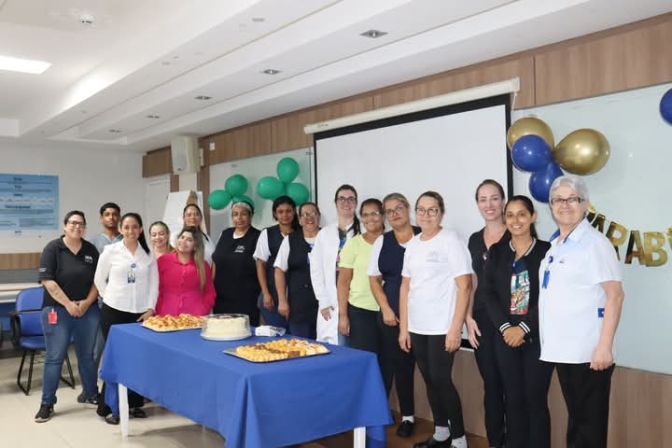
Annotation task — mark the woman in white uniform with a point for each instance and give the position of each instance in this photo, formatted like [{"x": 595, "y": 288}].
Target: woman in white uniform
[
  {"x": 580, "y": 304},
  {"x": 324, "y": 260}
]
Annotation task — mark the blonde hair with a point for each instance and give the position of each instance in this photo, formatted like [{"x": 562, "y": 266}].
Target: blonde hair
[{"x": 199, "y": 254}]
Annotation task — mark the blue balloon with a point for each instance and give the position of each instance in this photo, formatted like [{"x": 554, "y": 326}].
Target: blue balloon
[
  {"x": 666, "y": 106},
  {"x": 541, "y": 181},
  {"x": 531, "y": 153}
]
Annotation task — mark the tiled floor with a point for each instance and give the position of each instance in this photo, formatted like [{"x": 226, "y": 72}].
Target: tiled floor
[{"x": 76, "y": 426}]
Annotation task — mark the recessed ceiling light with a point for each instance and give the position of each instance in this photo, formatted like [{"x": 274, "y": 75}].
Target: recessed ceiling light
[
  {"x": 374, "y": 34},
  {"x": 271, "y": 71},
  {"x": 203, "y": 97},
  {"x": 87, "y": 19},
  {"x": 153, "y": 117},
  {"x": 23, "y": 65},
  {"x": 115, "y": 131}
]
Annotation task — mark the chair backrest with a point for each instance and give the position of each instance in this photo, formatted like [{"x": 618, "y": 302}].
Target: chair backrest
[
  {"x": 30, "y": 299},
  {"x": 28, "y": 306}
]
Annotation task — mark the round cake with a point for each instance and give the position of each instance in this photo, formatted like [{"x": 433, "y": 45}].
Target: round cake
[{"x": 226, "y": 327}]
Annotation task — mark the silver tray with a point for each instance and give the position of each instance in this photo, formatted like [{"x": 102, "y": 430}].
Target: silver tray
[{"x": 232, "y": 352}]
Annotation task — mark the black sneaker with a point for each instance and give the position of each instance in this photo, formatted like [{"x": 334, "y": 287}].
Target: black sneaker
[
  {"x": 45, "y": 413},
  {"x": 89, "y": 401}
]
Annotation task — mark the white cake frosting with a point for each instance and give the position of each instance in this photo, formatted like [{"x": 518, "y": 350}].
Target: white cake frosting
[{"x": 226, "y": 326}]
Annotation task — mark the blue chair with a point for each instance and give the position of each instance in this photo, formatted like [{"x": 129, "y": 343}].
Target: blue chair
[{"x": 28, "y": 335}]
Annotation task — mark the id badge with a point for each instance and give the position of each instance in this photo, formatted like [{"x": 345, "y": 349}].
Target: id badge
[{"x": 52, "y": 317}]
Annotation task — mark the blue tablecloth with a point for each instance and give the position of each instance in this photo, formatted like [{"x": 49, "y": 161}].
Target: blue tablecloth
[{"x": 251, "y": 405}]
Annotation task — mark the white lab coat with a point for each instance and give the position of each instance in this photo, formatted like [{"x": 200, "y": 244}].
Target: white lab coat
[{"x": 323, "y": 276}]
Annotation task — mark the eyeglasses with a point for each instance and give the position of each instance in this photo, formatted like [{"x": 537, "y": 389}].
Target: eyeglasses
[
  {"x": 79, "y": 224},
  {"x": 398, "y": 210},
  {"x": 372, "y": 215},
  {"x": 431, "y": 212},
  {"x": 310, "y": 215},
  {"x": 573, "y": 200},
  {"x": 349, "y": 200}
]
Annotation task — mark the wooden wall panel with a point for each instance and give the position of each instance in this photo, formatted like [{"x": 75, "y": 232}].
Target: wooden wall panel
[
  {"x": 10, "y": 262},
  {"x": 640, "y": 415},
  {"x": 157, "y": 163},
  {"x": 596, "y": 65},
  {"x": 174, "y": 183},
  {"x": 241, "y": 143},
  {"x": 287, "y": 130},
  {"x": 455, "y": 80}
]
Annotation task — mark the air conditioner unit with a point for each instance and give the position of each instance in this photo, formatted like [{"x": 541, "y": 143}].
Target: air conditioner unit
[{"x": 185, "y": 154}]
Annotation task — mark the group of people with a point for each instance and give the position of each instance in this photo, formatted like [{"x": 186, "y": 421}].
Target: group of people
[{"x": 530, "y": 306}]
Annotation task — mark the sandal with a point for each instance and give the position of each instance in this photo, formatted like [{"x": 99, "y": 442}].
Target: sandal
[
  {"x": 138, "y": 413},
  {"x": 110, "y": 419}
]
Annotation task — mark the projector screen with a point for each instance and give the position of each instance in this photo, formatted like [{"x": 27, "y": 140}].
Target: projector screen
[{"x": 449, "y": 150}]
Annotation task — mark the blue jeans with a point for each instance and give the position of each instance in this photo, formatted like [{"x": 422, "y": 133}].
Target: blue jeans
[{"x": 57, "y": 339}]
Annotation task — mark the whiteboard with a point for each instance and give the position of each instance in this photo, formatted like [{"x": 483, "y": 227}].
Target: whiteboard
[
  {"x": 254, "y": 169},
  {"x": 632, "y": 190}
]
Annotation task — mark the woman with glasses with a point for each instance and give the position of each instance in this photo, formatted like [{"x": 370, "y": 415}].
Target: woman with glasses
[
  {"x": 482, "y": 334},
  {"x": 235, "y": 269},
  {"x": 433, "y": 302},
  {"x": 296, "y": 299},
  {"x": 159, "y": 234},
  {"x": 128, "y": 280},
  {"x": 270, "y": 239},
  {"x": 358, "y": 309},
  {"x": 510, "y": 292},
  {"x": 69, "y": 310},
  {"x": 387, "y": 259},
  {"x": 192, "y": 216},
  {"x": 324, "y": 263},
  {"x": 580, "y": 304}
]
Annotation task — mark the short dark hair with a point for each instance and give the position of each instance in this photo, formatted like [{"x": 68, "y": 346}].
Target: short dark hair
[
  {"x": 107, "y": 205},
  {"x": 72, "y": 213}
]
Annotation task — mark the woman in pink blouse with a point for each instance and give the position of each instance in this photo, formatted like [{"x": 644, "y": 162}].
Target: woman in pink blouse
[{"x": 185, "y": 278}]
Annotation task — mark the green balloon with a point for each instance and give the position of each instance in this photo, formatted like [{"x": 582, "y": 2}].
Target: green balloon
[
  {"x": 236, "y": 185},
  {"x": 287, "y": 169},
  {"x": 269, "y": 187},
  {"x": 219, "y": 199},
  {"x": 243, "y": 198},
  {"x": 298, "y": 192}
]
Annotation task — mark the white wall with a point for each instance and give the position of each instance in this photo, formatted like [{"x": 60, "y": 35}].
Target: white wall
[{"x": 87, "y": 179}]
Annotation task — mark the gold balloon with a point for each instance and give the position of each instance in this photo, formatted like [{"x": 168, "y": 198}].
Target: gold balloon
[
  {"x": 527, "y": 126},
  {"x": 582, "y": 152}
]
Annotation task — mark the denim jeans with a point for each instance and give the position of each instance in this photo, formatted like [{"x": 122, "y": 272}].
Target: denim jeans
[
  {"x": 272, "y": 317},
  {"x": 57, "y": 339}
]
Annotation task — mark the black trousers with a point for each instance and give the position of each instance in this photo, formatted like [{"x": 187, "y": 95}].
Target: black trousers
[
  {"x": 364, "y": 334},
  {"x": 493, "y": 400},
  {"x": 436, "y": 366},
  {"x": 397, "y": 365},
  {"x": 526, "y": 382},
  {"x": 110, "y": 316},
  {"x": 586, "y": 394}
]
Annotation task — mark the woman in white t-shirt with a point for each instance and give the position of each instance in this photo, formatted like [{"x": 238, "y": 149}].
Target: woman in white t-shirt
[
  {"x": 324, "y": 260},
  {"x": 434, "y": 297}
]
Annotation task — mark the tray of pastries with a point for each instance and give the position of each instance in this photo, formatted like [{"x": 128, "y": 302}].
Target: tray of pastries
[
  {"x": 167, "y": 323},
  {"x": 278, "y": 350}
]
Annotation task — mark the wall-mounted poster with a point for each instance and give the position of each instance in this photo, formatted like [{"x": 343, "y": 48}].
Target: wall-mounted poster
[{"x": 28, "y": 202}]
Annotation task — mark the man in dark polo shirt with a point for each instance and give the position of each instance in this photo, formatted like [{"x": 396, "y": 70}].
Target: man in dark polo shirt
[{"x": 69, "y": 311}]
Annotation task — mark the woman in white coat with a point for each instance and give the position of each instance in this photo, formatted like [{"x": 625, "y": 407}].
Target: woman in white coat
[{"x": 324, "y": 260}]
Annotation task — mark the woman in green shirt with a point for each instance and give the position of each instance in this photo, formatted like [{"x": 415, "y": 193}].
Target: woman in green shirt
[{"x": 358, "y": 309}]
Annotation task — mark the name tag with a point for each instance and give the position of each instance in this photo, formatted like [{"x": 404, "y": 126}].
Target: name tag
[{"x": 600, "y": 313}]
